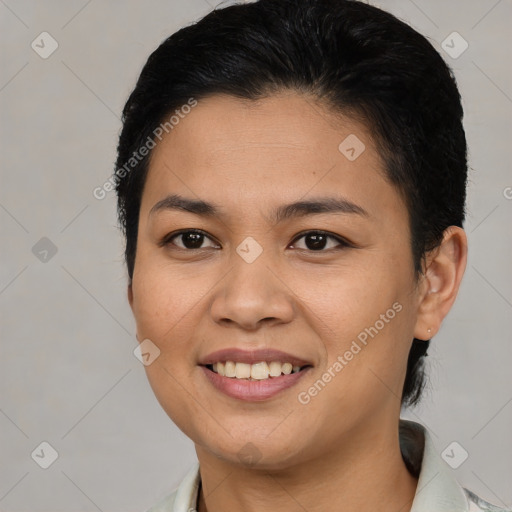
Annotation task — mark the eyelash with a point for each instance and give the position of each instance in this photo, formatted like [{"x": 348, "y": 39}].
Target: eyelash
[{"x": 166, "y": 241}]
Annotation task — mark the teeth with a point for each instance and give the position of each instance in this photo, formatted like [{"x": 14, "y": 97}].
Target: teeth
[
  {"x": 258, "y": 371},
  {"x": 243, "y": 371},
  {"x": 287, "y": 368},
  {"x": 275, "y": 368},
  {"x": 230, "y": 369}
]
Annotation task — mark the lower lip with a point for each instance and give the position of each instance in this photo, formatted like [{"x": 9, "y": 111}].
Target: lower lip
[{"x": 253, "y": 390}]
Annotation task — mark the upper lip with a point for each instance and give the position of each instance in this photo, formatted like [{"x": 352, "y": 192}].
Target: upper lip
[{"x": 252, "y": 356}]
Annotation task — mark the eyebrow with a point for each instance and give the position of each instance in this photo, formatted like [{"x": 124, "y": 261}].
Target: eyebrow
[{"x": 280, "y": 214}]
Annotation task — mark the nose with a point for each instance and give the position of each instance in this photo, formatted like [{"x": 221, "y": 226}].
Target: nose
[{"x": 252, "y": 295}]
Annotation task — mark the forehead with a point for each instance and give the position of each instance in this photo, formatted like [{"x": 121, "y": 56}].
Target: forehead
[
  {"x": 276, "y": 149},
  {"x": 295, "y": 123}
]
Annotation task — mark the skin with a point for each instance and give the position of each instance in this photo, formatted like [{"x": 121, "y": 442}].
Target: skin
[{"x": 340, "y": 451}]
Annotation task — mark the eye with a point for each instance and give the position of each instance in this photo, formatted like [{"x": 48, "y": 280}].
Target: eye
[
  {"x": 190, "y": 239},
  {"x": 315, "y": 241},
  {"x": 318, "y": 241}
]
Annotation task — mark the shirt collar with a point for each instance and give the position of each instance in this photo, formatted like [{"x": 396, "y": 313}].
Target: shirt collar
[
  {"x": 437, "y": 489},
  {"x": 187, "y": 493}
]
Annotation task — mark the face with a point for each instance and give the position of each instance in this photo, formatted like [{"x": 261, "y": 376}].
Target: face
[{"x": 333, "y": 288}]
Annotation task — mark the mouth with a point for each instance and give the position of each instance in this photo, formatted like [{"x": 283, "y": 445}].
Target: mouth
[
  {"x": 260, "y": 371},
  {"x": 253, "y": 382},
  {"x": 253, "y": 375}
]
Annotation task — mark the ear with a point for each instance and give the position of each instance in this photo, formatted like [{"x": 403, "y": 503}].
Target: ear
[{"x": 440, "y": 282}]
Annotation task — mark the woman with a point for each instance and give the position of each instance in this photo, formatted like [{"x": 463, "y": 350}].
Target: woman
[{"x": 291, "y": 181}]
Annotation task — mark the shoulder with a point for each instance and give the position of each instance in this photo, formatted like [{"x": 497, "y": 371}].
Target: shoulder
[
  {"x": 165, "y": 505},
  {"x": 477, "y": 504},
  {"x": 437, "y": 488}
]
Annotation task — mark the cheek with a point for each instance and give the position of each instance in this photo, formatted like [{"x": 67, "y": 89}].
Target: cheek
[
  {"x": 163, "y": 309},
  {"x": 171, "y": 388},
  {"x": 345, "y": 301},
  {"x": 161, "y": 299},
  {"x": 365, "y": 318}
]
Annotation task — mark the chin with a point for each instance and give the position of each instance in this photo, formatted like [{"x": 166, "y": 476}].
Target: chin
[{"x": 248, "y": 451}]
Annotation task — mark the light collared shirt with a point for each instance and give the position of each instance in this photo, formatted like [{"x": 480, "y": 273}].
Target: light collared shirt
[{"x": 437, "y": 490}]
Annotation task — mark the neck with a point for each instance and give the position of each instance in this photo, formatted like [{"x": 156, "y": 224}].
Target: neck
[{"x": 365, "y": 472}]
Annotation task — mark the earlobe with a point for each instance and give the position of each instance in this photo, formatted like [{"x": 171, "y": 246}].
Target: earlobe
[{"x": 441, "y": 281}]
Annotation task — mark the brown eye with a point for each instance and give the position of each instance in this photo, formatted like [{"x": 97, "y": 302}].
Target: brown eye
[
  {"x": 319, "y": 240},
  {"x": 190, "y": 239}
]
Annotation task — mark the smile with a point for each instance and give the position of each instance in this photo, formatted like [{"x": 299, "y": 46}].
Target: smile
[
  {"x": 258, "y": 371},
  {"x": 266, "y": 384}
]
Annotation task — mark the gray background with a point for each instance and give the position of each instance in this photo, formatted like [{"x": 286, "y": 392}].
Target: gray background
[{"x": 68, "y": 373}]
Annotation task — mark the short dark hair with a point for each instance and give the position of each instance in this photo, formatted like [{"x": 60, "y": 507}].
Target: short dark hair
[{"x": 360, "y": 61}]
